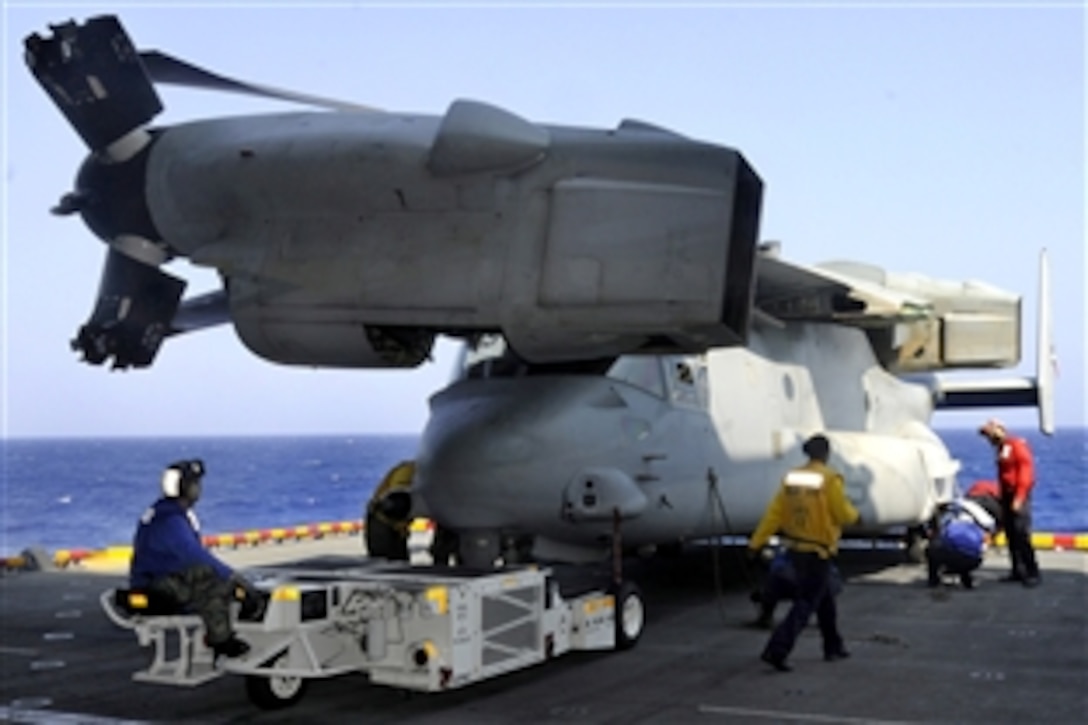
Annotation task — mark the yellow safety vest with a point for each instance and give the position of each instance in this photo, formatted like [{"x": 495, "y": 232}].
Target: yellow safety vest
[{"x": 809, "y": 510}]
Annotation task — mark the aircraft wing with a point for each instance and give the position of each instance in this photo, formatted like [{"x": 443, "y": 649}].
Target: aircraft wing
[
  {"x": 916, "y": 323},
  {"x": 789, "y": 291}
]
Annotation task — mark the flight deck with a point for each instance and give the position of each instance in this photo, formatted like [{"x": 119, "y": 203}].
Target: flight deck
[{"x": 998, "y": 653}]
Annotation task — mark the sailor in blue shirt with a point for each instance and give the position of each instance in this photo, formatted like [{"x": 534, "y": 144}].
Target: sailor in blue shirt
[
  {"x": 170, "y": 559},
  {"x": 959, "y": 541}
]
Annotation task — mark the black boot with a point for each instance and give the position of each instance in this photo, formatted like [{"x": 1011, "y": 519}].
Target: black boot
[
  {"x": 230, "y": 647},
  {"x": 776, "y": 661}
]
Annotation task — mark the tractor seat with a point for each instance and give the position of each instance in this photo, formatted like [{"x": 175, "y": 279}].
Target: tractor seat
[{"x": 147, "y": 603}]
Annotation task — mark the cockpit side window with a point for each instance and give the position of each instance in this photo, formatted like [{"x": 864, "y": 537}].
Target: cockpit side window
[
  {"x": 641, "y": 371},
  {"x": 687, "y": 380}
]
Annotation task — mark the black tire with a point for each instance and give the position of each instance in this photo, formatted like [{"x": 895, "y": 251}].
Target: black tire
[
  {"x": 384, "y": 541},
  {"x": 630, "y": 614},
  {"x": 275, "y": 692},
  {"x": 445, "y": 544}
]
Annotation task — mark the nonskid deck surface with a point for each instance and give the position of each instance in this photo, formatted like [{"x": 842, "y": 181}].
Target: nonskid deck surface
[{"x": 999, "y": 653}]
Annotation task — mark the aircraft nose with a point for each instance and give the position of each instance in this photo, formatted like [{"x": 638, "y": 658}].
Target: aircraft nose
[
  {"x": 495, "y": 453},
  {"x": 470, "y": 440}
]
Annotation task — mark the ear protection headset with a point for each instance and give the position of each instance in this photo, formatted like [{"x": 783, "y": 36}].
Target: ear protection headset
[{"x": 178, "y": 478}]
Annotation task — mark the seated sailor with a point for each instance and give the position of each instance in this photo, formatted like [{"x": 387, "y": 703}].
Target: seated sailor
[{"x": 170, "y": 560}]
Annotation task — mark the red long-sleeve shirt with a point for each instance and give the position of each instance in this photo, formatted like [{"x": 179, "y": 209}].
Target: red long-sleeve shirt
[{"x": 1015, "y": 469}]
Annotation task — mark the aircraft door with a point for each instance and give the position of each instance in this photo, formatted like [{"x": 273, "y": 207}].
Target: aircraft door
[
  {"x": 667, "y": 431},
  {"x": 686, "y": 432}
]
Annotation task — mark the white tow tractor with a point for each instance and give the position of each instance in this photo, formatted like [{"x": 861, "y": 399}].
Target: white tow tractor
[{"x": 411, "y": 627}]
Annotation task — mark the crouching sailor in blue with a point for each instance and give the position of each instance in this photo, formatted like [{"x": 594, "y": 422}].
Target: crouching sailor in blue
[
  {"x": 170, "y": 559},
  {"x": 959, "y": 541}
]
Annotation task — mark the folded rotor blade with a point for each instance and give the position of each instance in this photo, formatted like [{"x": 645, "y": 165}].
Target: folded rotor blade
[
  {"x": 136, "y": 302},
  {"x": 163, "y": 68},
  {"x": 95, "y": 77}
]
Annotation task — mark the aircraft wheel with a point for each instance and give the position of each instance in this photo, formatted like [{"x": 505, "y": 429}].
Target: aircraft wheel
[
  {"x": 445, "y": 545},
  {"x": 275, "y": 692},
  {"x": 630, "y": 614},
  {"x": 383, "y": 540}
]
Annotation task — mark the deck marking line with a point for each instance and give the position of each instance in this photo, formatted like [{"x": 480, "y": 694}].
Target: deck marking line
[
  {"x": 798, "y": 716},
  {"x": 18, "y": 714},
  {"x": 39, "y": 665}
]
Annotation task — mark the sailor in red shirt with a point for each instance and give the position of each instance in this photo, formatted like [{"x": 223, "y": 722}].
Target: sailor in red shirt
[{"x": 1016, "y": 477}]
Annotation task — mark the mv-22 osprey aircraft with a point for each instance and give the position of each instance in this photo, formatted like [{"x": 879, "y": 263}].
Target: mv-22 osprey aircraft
[{"x": 633, "y": 354}]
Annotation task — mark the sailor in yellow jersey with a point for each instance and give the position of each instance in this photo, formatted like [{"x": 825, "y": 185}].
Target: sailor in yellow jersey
[{"x": 809, "y": 511}]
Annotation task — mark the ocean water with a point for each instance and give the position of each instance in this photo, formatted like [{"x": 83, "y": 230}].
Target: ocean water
[{"x": 88, "y": 493}]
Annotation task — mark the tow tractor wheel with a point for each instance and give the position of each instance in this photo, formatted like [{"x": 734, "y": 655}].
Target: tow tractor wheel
[
  {"x": 630, "y": 613},
  {"x": 275, "y": 692}
]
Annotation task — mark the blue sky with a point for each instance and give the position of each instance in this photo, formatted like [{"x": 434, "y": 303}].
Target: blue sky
[{"x": 941, "y": 139}]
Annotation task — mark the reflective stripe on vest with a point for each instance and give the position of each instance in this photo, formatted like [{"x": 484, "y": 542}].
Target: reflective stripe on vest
[{"x": 804, "y": 479}]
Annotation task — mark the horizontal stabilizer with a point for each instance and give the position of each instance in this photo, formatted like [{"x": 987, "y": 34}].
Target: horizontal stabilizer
[
  {"x": 1004, "y": 393},
  {"x": 1037, "y": 392}
]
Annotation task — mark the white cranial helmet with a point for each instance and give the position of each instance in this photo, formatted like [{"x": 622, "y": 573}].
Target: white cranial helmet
[{"x": 179, "y": 478}]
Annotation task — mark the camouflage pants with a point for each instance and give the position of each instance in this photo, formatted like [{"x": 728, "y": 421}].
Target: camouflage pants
[{"x": 198, "y": 589}]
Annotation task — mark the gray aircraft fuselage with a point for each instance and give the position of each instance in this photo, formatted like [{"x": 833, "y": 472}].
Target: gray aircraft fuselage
[{"x": 506, "y": 450}]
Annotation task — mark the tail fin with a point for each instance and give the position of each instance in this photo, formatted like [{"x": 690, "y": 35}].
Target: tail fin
[
  {"x": 1013, "y": 392},
  {"x": 1046, "y": 359}
]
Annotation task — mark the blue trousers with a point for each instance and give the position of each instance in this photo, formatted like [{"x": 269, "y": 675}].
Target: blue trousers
[
  {"x": 943, "y": 558},
  {"x": 813, "y": 595}
]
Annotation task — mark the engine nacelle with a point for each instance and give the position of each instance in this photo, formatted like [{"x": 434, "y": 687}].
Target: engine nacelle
[
  {"x": 351, "y": 239},
  {"x": 574, "y": 243}
]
